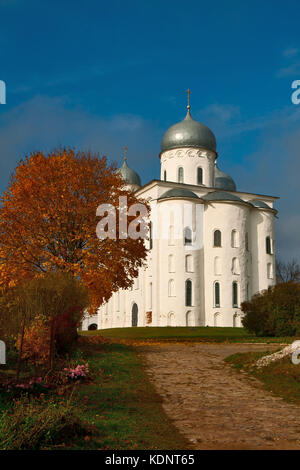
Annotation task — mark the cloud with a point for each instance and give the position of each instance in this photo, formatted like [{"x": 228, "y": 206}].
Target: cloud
[
  {"x": 293, "y": 67},
  {"x": 44, "y": 123}
]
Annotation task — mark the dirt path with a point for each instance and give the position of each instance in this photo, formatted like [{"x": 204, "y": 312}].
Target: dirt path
[{"x": 216, "y": 407}]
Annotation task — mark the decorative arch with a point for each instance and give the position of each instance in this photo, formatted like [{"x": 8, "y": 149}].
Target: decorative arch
[
  {"x": 189, "y": 264},
  {"x": 171, "y": 319},
  {"x": 217, "y": 318},
  {"x": 171, "y": 263},
  {"x": 190, "y": 318},
  {"x": 234, "y": 239}
]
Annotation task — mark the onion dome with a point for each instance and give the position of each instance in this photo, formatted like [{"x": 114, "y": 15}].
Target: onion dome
[
  {"x": 188, "y": 133},
  {"x": 178, "y": 193},
  {"x": 129, "y": 176},
  {"x": 221, "y": 196},
  {"x": 223, "y": 181},
  {"x": 259, "y": 203}
]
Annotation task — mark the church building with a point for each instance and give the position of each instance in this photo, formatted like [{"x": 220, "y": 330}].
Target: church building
[{"x": 211, "y": 246}]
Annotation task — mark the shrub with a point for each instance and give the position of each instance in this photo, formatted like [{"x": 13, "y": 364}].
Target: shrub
[
  {"x": 32, "y": 425},
  {"x": 36, "y": 342},
  {"x": 274, "y": 312}
]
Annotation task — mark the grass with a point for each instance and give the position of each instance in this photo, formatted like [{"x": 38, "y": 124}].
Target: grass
[
  {"x": 184, "y": 334},
  {"x": 280, "y": 377},
  {"x": 122, "y": 405}
]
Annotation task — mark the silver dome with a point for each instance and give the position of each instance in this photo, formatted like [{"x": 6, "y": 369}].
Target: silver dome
[
  {"x": 188, "y": 133},
  {"x": 223, "y": 181},
  {"x": 129, "y": 176},
  {"x": 178, "y": 192},
  {"x": 221, "y": 196}
]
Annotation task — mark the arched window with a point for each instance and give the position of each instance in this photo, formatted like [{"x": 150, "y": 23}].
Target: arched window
[
  {"x": 171, "y": 288},
  {"x": 234, "y": 239},
  {"x": 189, "y": 264},
  {"x": 217, "y": 265},
  {"x": 180, "y": 174},
  {"x": 217, "y": 294},
  {"x": 216, "y": 319},
  {"x": 235, "y": 266},
  {"x": 270, "y": 271},
  {"x": 171, "y": 264},
  {"x": 199, "y": 175},
  {"x": 234, "y": 294},
  {"x": 190, "y": 319},
  {"x": 217, "y": 238},
  {"x": 165, "y": 175},
  {"x": 235, "y": 320},
  {"x": 187, "y": 236},
  {"x": 150, "y": 236},
  {"x": 268, "y": 245},
  {"x": 247, "y": 291},
  {"x": 188, "y": 293}
]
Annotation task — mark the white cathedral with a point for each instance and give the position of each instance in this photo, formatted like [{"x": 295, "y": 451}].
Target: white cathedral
[{"x": 211, "y": 247}]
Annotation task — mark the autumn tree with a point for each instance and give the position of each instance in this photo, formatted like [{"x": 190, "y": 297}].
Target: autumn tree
[{"x": 48, "y": 222}]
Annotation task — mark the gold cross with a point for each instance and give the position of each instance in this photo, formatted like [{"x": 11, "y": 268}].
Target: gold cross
[
  {"x": 125, "y": 153},
  {"x": 188, "y": 91}
]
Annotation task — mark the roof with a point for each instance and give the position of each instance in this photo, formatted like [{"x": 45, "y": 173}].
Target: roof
[{"x": 178, "y": 193}]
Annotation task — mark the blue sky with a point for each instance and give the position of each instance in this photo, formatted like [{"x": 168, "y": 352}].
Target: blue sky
[{"x": 100, "y": 75}]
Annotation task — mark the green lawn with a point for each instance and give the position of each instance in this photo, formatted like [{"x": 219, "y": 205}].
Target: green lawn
[
  {"x": 208, "y": 334},
  {"x": 122, "y": 404},
  {"x": 280, "y": 377}
]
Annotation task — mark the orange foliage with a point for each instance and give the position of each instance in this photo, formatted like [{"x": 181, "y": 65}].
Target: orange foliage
[
  {"x": 48, "y": 221},
  {"x": 36, "y": 342}
]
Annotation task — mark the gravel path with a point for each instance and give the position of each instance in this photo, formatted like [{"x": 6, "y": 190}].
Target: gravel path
[{"x": 216, "y": 407}]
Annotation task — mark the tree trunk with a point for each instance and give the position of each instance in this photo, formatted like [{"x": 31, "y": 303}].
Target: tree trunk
[{"x": 20, "y": 350}]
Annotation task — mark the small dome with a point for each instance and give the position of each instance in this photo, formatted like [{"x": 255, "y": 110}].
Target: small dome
[
  {"x": 223, "y": 181},
  {"x": 178, "y": 192},
  {"x": 221, "y": 196},
  {"x": 188, "y": 133},
  {"x": 129, "y": 176},
  {"x": 259, "y": 203}
]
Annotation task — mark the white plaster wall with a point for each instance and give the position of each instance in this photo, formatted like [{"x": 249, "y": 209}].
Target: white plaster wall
[
  {"x": 189, "y": 159},
  {"x": 225, "y": 217}
]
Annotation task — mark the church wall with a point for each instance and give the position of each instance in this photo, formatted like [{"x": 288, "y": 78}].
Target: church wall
[
  {"x": 189, "y": 159},
  {"x": 262, "y": 224},
  {"x": 225, "y": 217}
]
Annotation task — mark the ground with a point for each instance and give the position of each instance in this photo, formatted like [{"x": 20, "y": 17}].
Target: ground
[{"x": 216, "y": 407}]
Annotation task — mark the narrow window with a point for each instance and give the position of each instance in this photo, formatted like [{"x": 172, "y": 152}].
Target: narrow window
[
  {"x": 234, "y": 239},
  {"x": 217, "y": 238},
  {"x": 171, "y": 288},
  {"x": 270, "y": 270},
  {"x": 235, "y": 266},
  {"x": 171, "y": 264},
  {"x": 246, "y": 241},
  {"x": 189, "y": 263},
  {"x": 188, "y": 293},
  {"x": 217, "y": 294},
  {"x": 199, "y": 176},
  {"x": 234, "y": 294},
  {"x": 187, "y": 236},
  {"x": 268, "y": 245},
  {"x": 150, "y": 295},
  {"x": 217, "y": 265},
  {"x": 165, "y": 175},
  {"x": 180, "y": 174}
]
